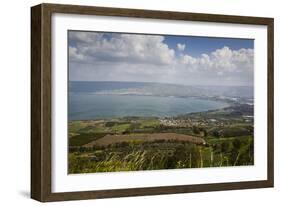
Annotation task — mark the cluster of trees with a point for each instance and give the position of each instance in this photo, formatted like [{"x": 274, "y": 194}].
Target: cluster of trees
[
  {"x": 232, "y": 131},
  {"x": 200, "y": 131},
  {"x": 237, "y": 152}
]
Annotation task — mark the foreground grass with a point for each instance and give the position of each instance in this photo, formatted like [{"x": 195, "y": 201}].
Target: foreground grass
[{"x": 134, "y": 156}]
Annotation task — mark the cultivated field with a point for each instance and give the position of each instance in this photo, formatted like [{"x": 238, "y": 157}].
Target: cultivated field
[{"x": 118, "y": 138}]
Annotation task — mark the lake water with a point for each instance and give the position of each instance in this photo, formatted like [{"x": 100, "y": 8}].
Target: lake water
[{"x": 85, "y": 106}]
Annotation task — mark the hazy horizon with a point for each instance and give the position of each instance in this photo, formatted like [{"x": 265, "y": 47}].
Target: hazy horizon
[{"x": 179, "y": 84}]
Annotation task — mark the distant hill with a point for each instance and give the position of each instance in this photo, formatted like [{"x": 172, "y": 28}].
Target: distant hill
[{"x": 159, "y": 89}]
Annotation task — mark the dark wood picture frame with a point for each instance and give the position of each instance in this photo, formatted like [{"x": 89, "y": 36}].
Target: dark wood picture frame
[{"x": 41, "y": 101}]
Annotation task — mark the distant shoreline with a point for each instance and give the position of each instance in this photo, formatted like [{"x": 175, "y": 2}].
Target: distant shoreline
[
  {"x": 147, "y": 117},
  {"x": 104, "y": 100},
  {"x": 143, "y": 82}
]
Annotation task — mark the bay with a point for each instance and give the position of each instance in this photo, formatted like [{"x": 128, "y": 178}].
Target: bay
[{"x": 86, "y": 106}]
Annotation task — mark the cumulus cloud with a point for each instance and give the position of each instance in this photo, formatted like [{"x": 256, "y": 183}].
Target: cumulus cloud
[
  {"x": 137, "y": 49},
  {"x": 181, "y": 47},
  {"x": 221, "y": 61},
  {"x": 127, "y": 57}
]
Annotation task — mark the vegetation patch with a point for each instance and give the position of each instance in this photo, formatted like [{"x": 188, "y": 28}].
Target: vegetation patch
[{"x": 84, "y": 138}]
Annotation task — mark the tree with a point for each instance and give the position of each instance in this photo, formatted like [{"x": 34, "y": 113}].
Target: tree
[
  {"x": 195, "y": 130},
  {"x": 205, "y": 133},
  {"x": 225, "y": 147},
  {"x": 216, "y": 133}
]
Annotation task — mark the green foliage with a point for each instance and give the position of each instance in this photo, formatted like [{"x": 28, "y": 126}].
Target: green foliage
[
  {"x": 84, "y": 138},
  {"x": 195, "y": 130},
  {"x": 171, "y": 154},
  {"x": 231, "y": 131},
  {"x": 149, "y": 123},
  {"x": 235, "y": 131},
  {"x": 110, "y": 124},
  {"x": 75, "y": 126},
  {"x": 120, "y": 128},
  {"x": 92, "y": 129}
]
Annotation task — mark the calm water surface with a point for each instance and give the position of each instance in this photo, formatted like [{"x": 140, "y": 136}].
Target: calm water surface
[{"x": 83, "y": 106}]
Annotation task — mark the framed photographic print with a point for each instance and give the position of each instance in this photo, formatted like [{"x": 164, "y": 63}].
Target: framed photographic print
[{"x": 130, "y": 102}]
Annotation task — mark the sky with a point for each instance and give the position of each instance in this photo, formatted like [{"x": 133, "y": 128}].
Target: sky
[{"x": 188, "y": 60}]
